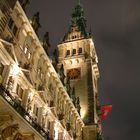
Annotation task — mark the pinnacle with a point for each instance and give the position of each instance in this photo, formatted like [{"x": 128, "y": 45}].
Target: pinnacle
[{"x": 78, "y": 2}]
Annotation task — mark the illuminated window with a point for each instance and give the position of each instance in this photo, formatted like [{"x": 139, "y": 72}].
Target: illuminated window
[
  {"x": 25, "y": 50},
  {"x": 29, "y": 55},
  {"x": 74, "y": 51},
  {"x": 80, "y": 50}
]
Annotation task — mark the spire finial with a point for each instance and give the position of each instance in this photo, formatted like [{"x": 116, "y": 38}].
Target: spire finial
[{"x": 78, "y": 2}]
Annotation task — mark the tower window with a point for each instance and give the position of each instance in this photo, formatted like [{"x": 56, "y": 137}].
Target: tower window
[
  {"x": 80, "y": 50},
  {"x": 68, "y": 52},
  {"x": 74, "y": 51}
]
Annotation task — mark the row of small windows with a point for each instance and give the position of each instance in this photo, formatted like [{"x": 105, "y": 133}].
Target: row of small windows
[
  {"x": 74, "y": 52},
  {"x": 14, "y": 30}
]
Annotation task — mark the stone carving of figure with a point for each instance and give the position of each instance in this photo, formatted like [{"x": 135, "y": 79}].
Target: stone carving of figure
[
  {"x": 24, "y": 4},
  {"x": 78, "y": 105},
  {"x": 46, "y": 43},
  {"x": 61, "y": 73},
  {"x": 73, "y": 96},
  {"x": 55, "y": 59},
  {"x": 35, "y": 22},
  {"x": 68, "y": 87}
]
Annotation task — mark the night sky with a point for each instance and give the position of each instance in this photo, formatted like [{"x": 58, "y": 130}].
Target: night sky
[{"x": 115, "y": 26}]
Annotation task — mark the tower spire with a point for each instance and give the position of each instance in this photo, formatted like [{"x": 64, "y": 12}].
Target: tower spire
[
  {"x": 78, "y": 23},
  {"x": 78, "y": 2}
]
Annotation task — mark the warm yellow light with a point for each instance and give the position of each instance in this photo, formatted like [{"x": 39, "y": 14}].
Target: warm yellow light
[
  {"x": 15, "y": 69},
  {"x": 83, "y": 113},
  {"x": 56, "y": 131}
]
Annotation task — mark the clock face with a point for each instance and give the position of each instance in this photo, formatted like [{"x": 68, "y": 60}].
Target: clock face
[{"x": 74, "y": 73}]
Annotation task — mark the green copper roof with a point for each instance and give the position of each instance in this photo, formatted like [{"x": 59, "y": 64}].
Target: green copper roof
[
  {"x": 78, "y": 19},
  {"x": 78, "y": 1}
]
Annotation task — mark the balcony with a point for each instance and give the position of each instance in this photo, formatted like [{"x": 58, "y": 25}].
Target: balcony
[{"x": 22, "y": 112}]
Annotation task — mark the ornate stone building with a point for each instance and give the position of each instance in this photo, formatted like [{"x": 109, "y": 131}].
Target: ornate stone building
[
  {"x": 36, "y": 102},
  {"x": 78, "y": 57}
]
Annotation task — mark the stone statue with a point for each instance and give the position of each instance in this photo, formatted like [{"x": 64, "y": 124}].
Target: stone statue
[
  {"x": 73, "y": 96},
  {"x": 35, "y": 22},
  {"x": 55, "y": 59},
  {"x": 61, "y": 73},
  {"x": 46, "y": 43},
  {"x": 68, "y": 87},
  {"x": 78, "y": 105},
  {"x": 24, "y": 3}
]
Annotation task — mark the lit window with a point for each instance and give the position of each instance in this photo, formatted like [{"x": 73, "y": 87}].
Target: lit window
[
  {"x": 25, "y": 50},
  {"x": 68, "y": 52},
  {"x": 74, "y": 51},
  {"x": 80, "y": 50},
  {"x": 29, "y": 55}
]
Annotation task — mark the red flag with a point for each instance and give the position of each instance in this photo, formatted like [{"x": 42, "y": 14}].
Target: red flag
[{"x": 105, "y": 110}]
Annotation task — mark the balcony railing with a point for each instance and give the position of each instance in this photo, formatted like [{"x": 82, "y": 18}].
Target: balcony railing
[{"x": 23, "y": 113}]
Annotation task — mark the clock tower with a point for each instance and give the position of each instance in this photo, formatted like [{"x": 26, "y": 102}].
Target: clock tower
[{"x": 77, "y": 56}]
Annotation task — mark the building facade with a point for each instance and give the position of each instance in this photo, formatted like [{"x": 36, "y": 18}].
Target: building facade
[
  {"x": 36, "y": 102},
  {"x": 33, "y": 102}
]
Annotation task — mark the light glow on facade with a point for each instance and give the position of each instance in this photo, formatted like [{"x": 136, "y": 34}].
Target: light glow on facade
[{"x": 15, "y": 70}]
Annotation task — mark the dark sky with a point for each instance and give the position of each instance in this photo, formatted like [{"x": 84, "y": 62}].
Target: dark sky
[{"x": 116, "y": 29}]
